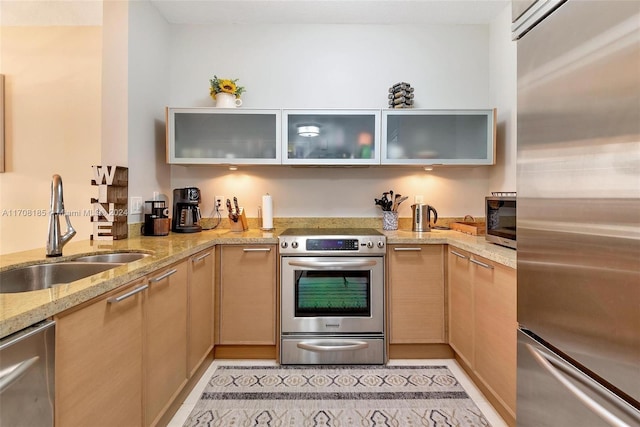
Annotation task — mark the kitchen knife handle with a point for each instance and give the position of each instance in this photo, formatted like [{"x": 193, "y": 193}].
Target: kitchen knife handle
[
  {"x": 256, "y": 249},
  {"x": 481, "y": 264}
]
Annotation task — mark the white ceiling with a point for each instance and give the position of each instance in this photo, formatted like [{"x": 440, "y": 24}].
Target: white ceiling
[{"x": 330, "y": 11}]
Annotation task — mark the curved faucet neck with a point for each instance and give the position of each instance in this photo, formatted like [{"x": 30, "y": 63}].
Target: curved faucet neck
[{"x": 55, "y": 239}]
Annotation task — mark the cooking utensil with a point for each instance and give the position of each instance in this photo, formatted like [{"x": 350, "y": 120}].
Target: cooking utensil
[
  {"x": 235, "y": 203},
  {"x": 402, "y": 199}
]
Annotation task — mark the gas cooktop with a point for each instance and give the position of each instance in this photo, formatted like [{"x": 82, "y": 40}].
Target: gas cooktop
[{"x": 332, "y": 241}]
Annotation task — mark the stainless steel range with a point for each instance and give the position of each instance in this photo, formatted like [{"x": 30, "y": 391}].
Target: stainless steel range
[{"x": 332, "y": 296}]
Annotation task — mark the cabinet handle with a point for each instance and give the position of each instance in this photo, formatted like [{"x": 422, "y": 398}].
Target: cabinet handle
[
  {"x": 407, "y": 249},
  {"x": 256, "y": 250},
  {"x": 459, "y": 255},
  {"x": 481, "y": 264},
  {"x": 114, "y": 300},
  {"x": 164, "y": 276},
  {"x": 201, "y": 257}
]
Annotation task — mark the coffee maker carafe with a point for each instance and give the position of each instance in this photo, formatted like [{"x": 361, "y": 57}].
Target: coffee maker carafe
[
  {"x": 422, "y": 217},
  {"x": 186, "y": 210}
]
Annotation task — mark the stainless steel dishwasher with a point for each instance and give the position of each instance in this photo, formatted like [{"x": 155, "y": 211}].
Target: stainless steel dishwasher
[{"x": 27, "y": 377}]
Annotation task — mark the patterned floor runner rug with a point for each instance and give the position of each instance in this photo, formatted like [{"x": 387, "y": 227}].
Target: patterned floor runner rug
[{"x": 337, "y": 396}]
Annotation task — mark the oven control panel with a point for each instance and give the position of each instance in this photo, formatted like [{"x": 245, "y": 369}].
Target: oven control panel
[{"x": 332, "y": 245}]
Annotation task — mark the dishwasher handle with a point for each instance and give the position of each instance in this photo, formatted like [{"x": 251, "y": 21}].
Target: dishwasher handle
[{"x": 16, "y": 372}]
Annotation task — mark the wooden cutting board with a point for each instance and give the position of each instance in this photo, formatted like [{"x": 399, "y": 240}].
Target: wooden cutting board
[{"x": 473, "y": 228}]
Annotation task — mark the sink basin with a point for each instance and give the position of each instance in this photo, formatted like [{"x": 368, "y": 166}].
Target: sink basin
[
  {"x": 43, "y": 276},
  {"x": 117, "y": 257}
]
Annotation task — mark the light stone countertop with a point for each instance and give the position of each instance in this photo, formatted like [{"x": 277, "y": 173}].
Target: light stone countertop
[{"x": 20, "y": 310}]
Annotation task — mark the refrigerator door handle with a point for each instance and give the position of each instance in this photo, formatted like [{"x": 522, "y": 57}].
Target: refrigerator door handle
[{"x": 560, "y": 370}]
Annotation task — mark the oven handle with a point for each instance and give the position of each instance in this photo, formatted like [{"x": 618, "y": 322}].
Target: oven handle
[
  {"x": 341, "y": 345},
  {"x": 333, "y": 264}
]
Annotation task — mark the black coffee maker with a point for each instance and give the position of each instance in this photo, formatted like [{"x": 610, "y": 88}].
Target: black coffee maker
[{"x": 186, "y": 210}]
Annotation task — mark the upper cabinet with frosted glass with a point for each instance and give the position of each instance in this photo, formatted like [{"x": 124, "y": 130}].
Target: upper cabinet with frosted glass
[
  {"x": 433, "y": 137},
  {"x": 223, "y": 136},
  {"x": 331, "y": 137}
]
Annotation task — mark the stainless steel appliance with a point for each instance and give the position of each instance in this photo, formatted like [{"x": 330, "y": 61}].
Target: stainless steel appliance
[
  {"x": 500, "y": 212},
  {"x": 421, "y": 217},
  {"x": 186, "y": 210},
  {"x": 332, "y": 296},
  {"x": 578, "y": 191},
  {"x": 27, "y": 380},
  {"x": 156, "y": 218}
]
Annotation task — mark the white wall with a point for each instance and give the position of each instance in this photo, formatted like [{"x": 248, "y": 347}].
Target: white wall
[
  {"x": 331, "y": 66},
  {"x": 148, "y": 94},
  {"x": 503, "y": 84},
  {"x": 52, "y": 126}
]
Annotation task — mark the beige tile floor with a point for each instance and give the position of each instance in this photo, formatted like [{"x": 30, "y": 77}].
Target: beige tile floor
[{"x": 492, "y": 416}]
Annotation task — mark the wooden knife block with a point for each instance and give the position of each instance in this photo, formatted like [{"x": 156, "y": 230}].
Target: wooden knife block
[{"x": 241, "y": 224}]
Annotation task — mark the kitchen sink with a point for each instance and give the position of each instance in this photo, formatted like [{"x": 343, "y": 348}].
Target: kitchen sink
[
  {"x": 43, "y": 276},
  {"x": 113, "y": 257}
]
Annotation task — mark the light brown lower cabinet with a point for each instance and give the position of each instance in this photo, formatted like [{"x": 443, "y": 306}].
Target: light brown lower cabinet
[
  {"x": 122, "y": 358},
  {"x": 165, "y": 352},
  {"x": 483, "y": 322},
  {"x": 416, "y": 294},
  {"x": 99, "y": 360},
  {"x": 200, "y": 308},
  {"x": 247, "y": 312}
]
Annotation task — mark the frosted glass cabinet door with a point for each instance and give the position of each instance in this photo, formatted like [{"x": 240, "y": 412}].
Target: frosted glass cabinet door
[
  {"x": 223, "y": 136},
  {"x": 331, "y": 137},
  {"x": 430, "y": 137}
]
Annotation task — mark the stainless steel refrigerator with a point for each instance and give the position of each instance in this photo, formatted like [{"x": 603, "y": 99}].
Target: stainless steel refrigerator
[{"x": 578, "y": 213}]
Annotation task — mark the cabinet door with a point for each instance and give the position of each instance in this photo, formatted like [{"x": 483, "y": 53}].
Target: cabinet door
[
  {"x": 99, "y": 361},
  {"x": 496, "y": 328},
  {"x": 223, "y": 136},
  {"x": 166, "y": 339},
  {"x": 449, "y": 137},
  {"x": 200, "y": 308},
  {"x": 331, "y": 137},
  {"x": 248, "y": 295},
  {"x": 416, "y": 294},
  {"x": 461, "y": 318}
]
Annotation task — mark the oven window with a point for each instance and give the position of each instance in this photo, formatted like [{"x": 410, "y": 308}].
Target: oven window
[{"x": 332, "y": 293}]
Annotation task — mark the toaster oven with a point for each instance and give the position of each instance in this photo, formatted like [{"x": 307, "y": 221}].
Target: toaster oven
[{"x": 500, "y": 213}]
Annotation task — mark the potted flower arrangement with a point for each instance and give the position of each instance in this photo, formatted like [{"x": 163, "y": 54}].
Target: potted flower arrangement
[{"x": 226, "y": 92}]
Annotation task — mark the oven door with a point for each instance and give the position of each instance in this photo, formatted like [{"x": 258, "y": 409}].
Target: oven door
[{"x": 332, "y": 295}]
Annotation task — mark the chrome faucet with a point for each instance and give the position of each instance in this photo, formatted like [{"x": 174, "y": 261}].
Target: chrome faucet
[{"x": 55, "y": 239}]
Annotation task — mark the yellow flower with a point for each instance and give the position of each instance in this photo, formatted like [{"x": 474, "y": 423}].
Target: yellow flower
[{"x": 228, "y": 86}]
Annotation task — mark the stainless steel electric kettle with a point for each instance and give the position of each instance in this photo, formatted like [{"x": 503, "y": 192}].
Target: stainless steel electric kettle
[{"x": 422, "y": 217}]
